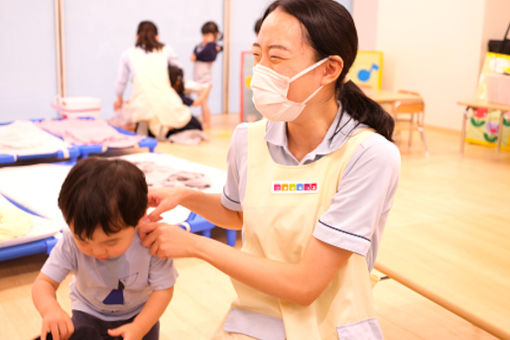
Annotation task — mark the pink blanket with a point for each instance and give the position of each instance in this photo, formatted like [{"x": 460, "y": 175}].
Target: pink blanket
[{"x": 89, "y": 131}]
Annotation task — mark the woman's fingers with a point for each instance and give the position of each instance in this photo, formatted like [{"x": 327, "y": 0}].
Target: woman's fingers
[
  {"x": 148, "y": 233},
  {"x": 166, "y": 240},
  {"x": 155, "y": 215},
  {"x": 153, "y": 199},
  {"x": 155, "y": 249},
  {"x": 145, "y": 228}
]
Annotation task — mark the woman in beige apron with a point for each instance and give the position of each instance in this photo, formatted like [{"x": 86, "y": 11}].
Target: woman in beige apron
[
  {"x": 310, "y": 186},
  {"x": 153, "y": 101}
]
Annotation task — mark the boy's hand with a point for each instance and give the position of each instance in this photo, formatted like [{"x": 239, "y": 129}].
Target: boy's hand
[
  {"x": 127, "y": 331},
  {"x": 58, "y": 323}
]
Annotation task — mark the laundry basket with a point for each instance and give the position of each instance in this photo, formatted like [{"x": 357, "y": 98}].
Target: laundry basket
[{"x": 71, "y": 107}]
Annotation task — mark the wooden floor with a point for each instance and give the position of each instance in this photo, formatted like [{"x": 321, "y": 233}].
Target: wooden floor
[{"x": 202, "y": 293}]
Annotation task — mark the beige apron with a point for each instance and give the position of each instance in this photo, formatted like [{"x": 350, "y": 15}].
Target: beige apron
[
  {"x": 278, "y": 225},
  {"x": 153, "y": 99}
]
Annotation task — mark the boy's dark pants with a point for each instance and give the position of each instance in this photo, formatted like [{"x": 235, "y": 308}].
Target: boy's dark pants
[{"x": 88, "y": 327}]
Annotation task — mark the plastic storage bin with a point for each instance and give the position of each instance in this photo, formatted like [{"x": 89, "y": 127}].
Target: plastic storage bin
[{"x": 71, "y": 107}]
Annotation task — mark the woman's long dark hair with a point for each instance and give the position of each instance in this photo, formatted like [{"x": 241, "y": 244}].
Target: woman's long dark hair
[
  {"x": 331, "y": 31},
  {"x": 146, "y": 37}
]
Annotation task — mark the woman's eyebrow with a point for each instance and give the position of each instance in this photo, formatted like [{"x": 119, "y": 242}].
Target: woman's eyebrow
[{"x": 277, "y": 46}]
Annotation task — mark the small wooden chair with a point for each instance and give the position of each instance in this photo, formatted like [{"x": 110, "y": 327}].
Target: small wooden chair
[{"x": 410, "y": 114}]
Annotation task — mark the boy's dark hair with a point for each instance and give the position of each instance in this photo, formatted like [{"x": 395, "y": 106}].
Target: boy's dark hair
[
  {"x": 210, "y": 27},
  {"x": 176, "y": 78},
  {"x": 98, "y": 191}
]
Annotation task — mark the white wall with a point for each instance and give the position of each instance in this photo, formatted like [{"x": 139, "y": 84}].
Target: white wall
[
  {"x": 433, "y": 47},
  {"x": 364, "y": 13},
  {"x": 496, "y": 21},
  {"x": 28, "y": 66},
  {"x": 242, "y": 36}
]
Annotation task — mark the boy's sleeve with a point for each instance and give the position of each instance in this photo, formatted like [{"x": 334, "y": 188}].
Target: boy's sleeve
[
  {"x": 62, "y": 259},
  {"x": 162, "y": 273}
]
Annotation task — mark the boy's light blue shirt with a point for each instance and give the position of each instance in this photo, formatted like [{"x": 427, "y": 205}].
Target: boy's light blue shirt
[{"x": 95, "y": 285}]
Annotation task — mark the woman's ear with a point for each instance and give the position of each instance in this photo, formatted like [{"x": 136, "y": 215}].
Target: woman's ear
[{"x": 333, "y": 68}]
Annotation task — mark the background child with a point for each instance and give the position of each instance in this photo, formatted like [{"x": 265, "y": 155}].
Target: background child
[
  {"x": 204, "y": 54},
  {"x": 118, "y": 288},
  {"x": 184, "y": 88}
]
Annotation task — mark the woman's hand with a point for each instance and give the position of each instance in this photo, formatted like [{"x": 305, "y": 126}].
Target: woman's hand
[
  {"x": 117, "y": 105},
  {"x": 166, "y": 240},
  {"x": 163, "y": 199}
]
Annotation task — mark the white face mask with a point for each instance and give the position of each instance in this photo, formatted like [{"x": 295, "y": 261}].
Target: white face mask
[{"x": 270, "y": 93}]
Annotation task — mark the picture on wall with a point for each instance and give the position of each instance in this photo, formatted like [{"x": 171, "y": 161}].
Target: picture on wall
[{"x": 366, "y": 71}]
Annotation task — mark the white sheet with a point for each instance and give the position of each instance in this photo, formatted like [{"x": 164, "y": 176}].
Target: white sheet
[
  {"x": 37, "y": 186},
  {"x": 41, "y": 228}
]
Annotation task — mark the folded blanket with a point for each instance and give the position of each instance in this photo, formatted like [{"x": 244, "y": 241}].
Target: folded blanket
[{"x": 88, "y": 132}]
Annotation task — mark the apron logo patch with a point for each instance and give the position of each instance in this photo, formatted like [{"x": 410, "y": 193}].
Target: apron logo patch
[{"x": 285, "y": 187}]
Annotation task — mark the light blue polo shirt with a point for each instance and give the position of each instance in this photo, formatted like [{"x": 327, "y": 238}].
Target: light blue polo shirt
[
  {"x": 357, "y": 215},
  {"x": 114, "y": 289}
]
